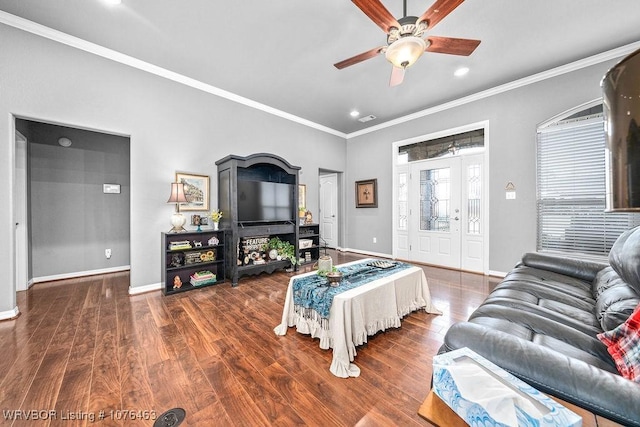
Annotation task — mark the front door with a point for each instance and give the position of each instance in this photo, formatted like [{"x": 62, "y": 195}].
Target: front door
[
  {"x": 434, "y": 212},
  {"x": 444, "y": 215}
]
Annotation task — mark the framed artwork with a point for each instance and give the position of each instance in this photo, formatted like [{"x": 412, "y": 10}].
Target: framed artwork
[
  {"x": 196, "y": 190},
  {"x": 367, "y": 193},
  {"x": 302, "y": 196}
]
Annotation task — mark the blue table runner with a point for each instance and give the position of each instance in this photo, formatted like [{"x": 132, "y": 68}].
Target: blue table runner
[{"x": 313, "y": 292}]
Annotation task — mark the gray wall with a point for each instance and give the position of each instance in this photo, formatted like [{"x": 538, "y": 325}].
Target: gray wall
[
  {"x": 72, "y": 221},
  {"x": 172, "y": 128},
  {"x": 513, "y": 118}
]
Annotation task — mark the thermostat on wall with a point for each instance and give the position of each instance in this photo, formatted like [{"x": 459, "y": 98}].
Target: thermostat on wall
[{"x": 111, "y": 188}]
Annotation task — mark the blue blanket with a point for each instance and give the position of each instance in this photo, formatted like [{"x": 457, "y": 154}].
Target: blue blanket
[{"x": 314, "y": 292}]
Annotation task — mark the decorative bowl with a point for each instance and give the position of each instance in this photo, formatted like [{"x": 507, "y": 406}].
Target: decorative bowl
[{"x": 334, "y": 278}]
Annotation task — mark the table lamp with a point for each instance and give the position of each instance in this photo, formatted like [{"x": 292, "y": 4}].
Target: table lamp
[{"x": 177, "y": 196}]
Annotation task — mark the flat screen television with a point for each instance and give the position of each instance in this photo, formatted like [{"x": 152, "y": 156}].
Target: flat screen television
[{"x": 260, "y": 201}]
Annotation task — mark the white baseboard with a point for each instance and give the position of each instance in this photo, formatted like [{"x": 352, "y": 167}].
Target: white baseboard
[
  {"x": 9, "y": 314},
  {"x": 144, "y": 288},
  {"x": 358, "y": 251},
  {"x": 80, "y": 274},
  {"x": 497, "y": 273}
]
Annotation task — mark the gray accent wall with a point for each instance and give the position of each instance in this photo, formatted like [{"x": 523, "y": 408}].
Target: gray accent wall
[
  {"x": 172, "y": 128},
  {"x": 71, "y": 220},
  {"x": 513, "y": 119}
]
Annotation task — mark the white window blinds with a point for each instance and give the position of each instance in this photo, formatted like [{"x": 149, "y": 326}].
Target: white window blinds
[{"x": 571, "y": 188}]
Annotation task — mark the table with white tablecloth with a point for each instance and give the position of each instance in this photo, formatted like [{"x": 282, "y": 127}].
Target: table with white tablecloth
[{"x": 359, "y": 312}]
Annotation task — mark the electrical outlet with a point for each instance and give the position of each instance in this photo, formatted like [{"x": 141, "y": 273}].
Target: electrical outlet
[
  {"x": 107, "y": 253},
  {"x": 375, "y": 240}
]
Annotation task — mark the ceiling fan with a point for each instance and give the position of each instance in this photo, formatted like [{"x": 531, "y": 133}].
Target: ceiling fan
[{"x": 404, "y": 36}]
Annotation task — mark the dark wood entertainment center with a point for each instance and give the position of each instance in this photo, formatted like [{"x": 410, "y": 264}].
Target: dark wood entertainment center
[{"x": 256, "y": 168}]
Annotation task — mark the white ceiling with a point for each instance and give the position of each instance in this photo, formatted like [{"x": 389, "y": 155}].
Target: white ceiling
[{"x": 281, "y": 52}]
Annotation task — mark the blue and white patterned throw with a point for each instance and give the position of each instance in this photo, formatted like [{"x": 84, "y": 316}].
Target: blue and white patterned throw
[{"x": 314, "y": 292}]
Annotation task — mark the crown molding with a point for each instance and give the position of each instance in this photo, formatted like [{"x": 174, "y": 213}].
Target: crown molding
[
  {"x": 525, "y": 81},
  {"x": 75, "y": 42},
  {"x": 78, "y": 43}
]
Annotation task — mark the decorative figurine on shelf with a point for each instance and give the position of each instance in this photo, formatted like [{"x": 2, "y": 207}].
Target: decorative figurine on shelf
[
  {"x": 177, "y": 283},
  {"x": 177, "y": 260},
  {"x": 301, "y": 214},
  {"x": 197, "y": 244},
  {"x": 213, "y": 241},
  {"x": 308, "y": 218},
  {"x": 215, "y": 217},
  {"x": 196, "y": 220}
]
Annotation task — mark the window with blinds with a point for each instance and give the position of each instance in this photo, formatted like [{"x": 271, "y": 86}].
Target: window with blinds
[{"x": 571, "y": 189}]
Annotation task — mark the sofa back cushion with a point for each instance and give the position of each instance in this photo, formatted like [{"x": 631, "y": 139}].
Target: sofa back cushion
[{"x": 624, "y": 257}]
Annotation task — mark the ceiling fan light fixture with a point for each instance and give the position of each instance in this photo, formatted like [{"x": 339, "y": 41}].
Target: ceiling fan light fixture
[{"x": 405, "y": 51}]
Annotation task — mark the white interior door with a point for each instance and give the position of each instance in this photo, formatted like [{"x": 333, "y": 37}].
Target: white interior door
[
  {"x": 329, "y": 209},
  {"x": 434, "y": 212},
  {"x": 20, "y": 212}
]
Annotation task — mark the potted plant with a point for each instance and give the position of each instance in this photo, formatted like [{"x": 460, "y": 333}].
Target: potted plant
[
  {"x": 285, "y": 249},
  {"x": 215, "y": 216}
]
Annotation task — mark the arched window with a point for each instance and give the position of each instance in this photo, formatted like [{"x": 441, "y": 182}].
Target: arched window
[{"x": 571, "y": 185}]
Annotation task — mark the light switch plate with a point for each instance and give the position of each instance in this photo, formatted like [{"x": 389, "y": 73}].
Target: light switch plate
[{"x": 111, "y": 188}]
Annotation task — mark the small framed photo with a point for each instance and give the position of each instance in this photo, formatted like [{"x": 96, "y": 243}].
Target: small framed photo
[
  {"x": 196, "y": 189},
  {"x": 367, "y": 193}
]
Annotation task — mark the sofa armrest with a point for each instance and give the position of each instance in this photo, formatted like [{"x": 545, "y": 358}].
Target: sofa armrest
[
  {"x": 572, "y": 380},
  {"x": 584, "y": 270}
]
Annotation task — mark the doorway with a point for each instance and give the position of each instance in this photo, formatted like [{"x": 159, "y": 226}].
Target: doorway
[
  {"x": 329, "y": 212},
  {"x": 21, "y": 255},
  {"x": 73, "y": 225},
  {"x": 440, "y": 204}
]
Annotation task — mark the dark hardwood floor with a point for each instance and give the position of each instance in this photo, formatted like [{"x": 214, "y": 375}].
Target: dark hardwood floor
[{"x": 85, "y": 347}]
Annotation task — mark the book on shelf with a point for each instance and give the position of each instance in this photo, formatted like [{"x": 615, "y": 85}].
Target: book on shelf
[{"x": 182, "y": 244}]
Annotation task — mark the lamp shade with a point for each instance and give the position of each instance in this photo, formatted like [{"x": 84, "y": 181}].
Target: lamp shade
[
  {"x": 405, "y": 51},
  {"x": 621, "y": 99},
  {"x": 177, "y": 193}
]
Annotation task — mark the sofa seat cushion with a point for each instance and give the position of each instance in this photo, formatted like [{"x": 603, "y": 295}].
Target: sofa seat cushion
[
  {"x": 542, "y": 330},
  {"x": 530, "y": 289}
]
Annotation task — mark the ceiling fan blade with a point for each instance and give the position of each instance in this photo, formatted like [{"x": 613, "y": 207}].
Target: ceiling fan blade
[
  {"x": 358, "y": 58},
  {"x": 377, "y": 13},
  {"x": 397, "y": 76},
  {"x": 452, "y": 46},
  {"x": 438, "y": 11}
]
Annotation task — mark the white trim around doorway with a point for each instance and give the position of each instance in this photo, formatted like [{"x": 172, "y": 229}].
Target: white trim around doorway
[{"x": 485, "y": 180}]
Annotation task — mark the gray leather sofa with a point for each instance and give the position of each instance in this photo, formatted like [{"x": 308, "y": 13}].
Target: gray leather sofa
[{"x": 540, "y": 323}]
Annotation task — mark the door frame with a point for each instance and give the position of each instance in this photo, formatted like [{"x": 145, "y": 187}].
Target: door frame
[
  {"x": 20, "y": 195},
  {"x": 339, "y": 204},
  {"x": 485, "y": 181}
]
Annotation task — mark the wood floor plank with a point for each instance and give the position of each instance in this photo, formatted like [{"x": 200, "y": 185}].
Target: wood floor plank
[{"x": 86, "y": 345}]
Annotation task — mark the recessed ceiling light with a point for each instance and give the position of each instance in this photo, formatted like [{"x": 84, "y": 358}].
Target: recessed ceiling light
[
  {"x": 354, "y": 113},
  {"x": 461, "y": 71}
]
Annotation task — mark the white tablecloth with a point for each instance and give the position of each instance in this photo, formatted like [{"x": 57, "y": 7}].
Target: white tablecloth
[{"x": 359, "y": 312}]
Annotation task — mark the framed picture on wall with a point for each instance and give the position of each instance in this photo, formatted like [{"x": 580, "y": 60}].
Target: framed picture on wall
[
  {"x": 196, "y": 190},
  {"x": 302, "y": 196},
  {"x": 367, "y": 193}
]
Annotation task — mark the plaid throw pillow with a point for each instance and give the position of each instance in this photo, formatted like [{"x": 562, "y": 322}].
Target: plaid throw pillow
[{"x": 623, "y": 344}]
